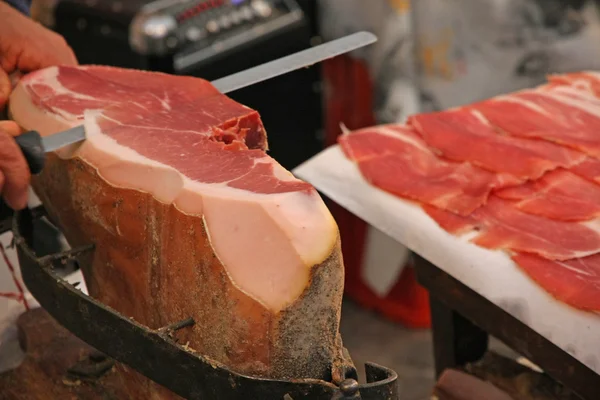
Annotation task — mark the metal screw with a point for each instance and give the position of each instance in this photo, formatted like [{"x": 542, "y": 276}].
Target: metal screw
[{"x": 349, "y": 387}]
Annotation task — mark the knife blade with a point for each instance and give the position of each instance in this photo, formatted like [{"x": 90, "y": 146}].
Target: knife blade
[{"x": 34, "y": 146}]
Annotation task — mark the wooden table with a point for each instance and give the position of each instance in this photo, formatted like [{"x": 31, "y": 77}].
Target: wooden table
[{"x": 462, "y": 321}]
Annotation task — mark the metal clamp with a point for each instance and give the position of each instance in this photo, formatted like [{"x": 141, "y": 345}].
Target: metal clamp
[{"x": 148, "y": 351}]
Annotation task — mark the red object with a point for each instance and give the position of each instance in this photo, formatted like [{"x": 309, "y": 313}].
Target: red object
[
  {"x": 382, "y": 151},
  {"x": 575, "y": 282},
  {"x": 589, "y": 169},
  {"x": 588, "y": 81},
  {"x": 559, "y": 194},
  {"x": 553, "y": 114},
  {"x": 462, "y": 135},
  {"x": 502, "y": 226},
  {"x": 349, "y": 100}
]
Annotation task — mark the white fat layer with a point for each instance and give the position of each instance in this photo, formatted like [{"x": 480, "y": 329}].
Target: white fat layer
[
  {"x": 480, "y": 117},
  {"x": 584, "y": 105},
  {"x": 282, "y": 235},
  {"x": 49, "y": 78},
  {"x": 523, "y": 102},
  {"x": 398, "y": 134}
]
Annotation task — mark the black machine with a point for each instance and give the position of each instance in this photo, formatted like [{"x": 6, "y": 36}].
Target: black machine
[{"x": 209, "y": 39}]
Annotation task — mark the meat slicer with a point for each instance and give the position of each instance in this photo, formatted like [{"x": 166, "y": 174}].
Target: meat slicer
[{"x": 155, "y": 353}]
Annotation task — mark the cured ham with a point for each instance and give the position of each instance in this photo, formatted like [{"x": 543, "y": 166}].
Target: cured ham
[
  {"x": 500, "y": 225},
  {"x": 589, "y": 169},
  {"x": 542, "y": 206},
  {"x": 559, "y": 194},
  {"x": 575, "y": 282},
  {"x": 465, "y": 135},
  {"x": 190, "y": 217},
  {"x": 565, "y": 117},
  {"x": 451, "y": 222},
  {"x": 587, "y": 80},
  {"x": 383, "y": 151}
]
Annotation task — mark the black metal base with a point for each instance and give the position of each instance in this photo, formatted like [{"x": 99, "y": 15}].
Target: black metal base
[{"x": 148, "y": 351}]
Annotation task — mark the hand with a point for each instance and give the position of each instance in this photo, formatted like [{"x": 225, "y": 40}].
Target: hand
[
  {"x": 14, "y": 172},
  {"x": 26, "y": 46}
]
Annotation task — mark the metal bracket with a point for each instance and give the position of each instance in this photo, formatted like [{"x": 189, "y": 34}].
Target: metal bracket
[{"x": 154, "y": 353}]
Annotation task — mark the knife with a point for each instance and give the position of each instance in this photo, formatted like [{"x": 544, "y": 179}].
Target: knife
[{"x": 34, "y": 146}]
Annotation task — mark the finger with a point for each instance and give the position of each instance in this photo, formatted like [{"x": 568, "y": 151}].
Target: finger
[
  {"x": 11, "y": 127},
  {"x": 16, "y": 173},
  {"x": 5, "y": 88}
]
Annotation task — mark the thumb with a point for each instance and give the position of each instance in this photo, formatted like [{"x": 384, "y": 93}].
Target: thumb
[{"x": 5, "y": 88}]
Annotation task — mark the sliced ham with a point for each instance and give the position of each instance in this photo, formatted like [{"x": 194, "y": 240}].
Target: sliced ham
[
  {"x": 501, "y": 225},
  {"x": 463, "y": 134},
  {"x": 451, "y": 222},
  {"x": 518, "y": 173},
  {"x": 589, "y": 169},
  {"x": 559, "y": 115},
  {"x": 395, "y": 159},
  {"x": 574, "y": 282},
  {"x": 559, "y": 194},
  {"x": 190, "y": 217},
  {"x": 585, "y": 80}
]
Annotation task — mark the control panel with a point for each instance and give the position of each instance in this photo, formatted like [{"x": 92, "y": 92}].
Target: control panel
[{"x": 193, "y": 30}]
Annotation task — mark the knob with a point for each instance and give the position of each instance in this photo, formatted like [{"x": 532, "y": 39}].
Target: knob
[
  {"x": 246, "y": 13},
  {"x": 261, "y": 8},
  {"x": 212, "y": 26},
  {"x": 225, "y": 21},
  {"x": 194, "y": 33}
]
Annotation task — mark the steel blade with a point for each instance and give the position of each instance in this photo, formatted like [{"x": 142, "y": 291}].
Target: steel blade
[
  {"x": 294, "y": 61},
  {"x": 64, "y": 138}
]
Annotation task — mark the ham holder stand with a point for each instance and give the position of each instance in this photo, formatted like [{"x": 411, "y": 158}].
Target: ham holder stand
[{"x": 154, "y": 352}]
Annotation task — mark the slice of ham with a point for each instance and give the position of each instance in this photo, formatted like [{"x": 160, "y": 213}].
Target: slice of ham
[
  {"x": 574, "y": 282},
  {"x": 395, "y": 159},
  {"x": 464, "y": 135},
  {"x": 586, "y": 80},
  {"x": 589, "y": 169},
  {"x": 451, "y": 222},
  {"x": 559, "y": 194},
  {"x": 502, "y": 226},
  {"x": 190, "y": 217},
  {"x": 565, "y": 116}
]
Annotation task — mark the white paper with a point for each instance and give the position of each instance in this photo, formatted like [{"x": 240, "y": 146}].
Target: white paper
[{"x": 490, "y": 273}]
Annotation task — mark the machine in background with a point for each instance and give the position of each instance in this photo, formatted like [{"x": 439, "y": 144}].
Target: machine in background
[{"x": 208, "y": 39}]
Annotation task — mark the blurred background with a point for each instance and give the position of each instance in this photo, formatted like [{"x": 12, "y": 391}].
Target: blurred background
[{"x": 431, "y": 54}]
